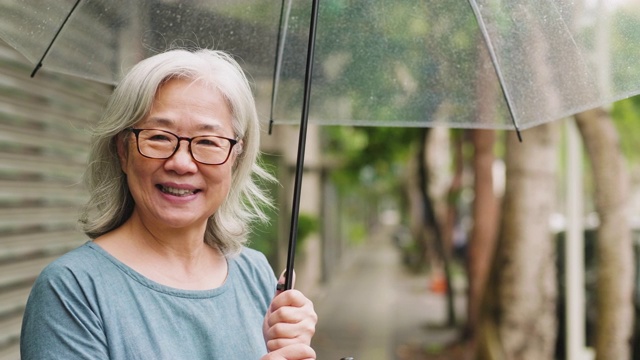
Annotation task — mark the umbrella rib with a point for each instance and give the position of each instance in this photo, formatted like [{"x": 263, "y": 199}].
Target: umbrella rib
[
  {"x": 282, "y": 34},
  {"x": 55, "y": 36},
  {"x": 494, "y": 60}
]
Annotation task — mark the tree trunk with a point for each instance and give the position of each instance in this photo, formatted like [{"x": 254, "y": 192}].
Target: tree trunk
[
  {"x": 455, "y": 189},
  {"x": 483, "y": 237},
  {"x": 485, "y": 207},
  {"x": 519, "y": 317},
  {"x": 614, "y": 247},
  {"x": 423, "y": 255},
  {"x": 432, "y": 224}
]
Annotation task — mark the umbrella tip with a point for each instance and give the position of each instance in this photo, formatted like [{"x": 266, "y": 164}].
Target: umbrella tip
[
  {"x": 35, "y": 70},
  {"x": 270, "y": 126},
  {"x": 519, "y": 134}
]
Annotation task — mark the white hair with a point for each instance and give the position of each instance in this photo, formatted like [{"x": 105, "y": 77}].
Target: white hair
[{"x": 111, "y": 204}]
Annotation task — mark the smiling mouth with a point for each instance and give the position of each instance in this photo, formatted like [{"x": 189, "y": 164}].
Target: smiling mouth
[{"x": 175, "y": 191}]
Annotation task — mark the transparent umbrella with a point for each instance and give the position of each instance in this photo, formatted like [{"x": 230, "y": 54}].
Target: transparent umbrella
[
  {"x": 415, "y": 63},
  {"x": 409, "y": 63},
  {"x": 425, "y": 63}
]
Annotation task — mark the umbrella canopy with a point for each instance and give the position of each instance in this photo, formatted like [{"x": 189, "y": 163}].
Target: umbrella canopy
[
  {"x": 410, "y": 63},
  {"x": 101, "y": 39},
  {"x": 424, "y": 63}
]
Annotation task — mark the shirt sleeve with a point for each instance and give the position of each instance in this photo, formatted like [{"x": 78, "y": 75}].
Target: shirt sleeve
[
  {"x": 60, "y": 321},
  {"x": 267, "y": 277}
]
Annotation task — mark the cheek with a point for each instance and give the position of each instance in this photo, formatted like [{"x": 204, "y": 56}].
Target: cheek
[
  {"x": 221, "y": 180},
  {"x": 223, "y": 177}
]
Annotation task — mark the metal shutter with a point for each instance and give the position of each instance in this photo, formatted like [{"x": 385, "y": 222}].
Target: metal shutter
[{"x": 44, "y": 136}]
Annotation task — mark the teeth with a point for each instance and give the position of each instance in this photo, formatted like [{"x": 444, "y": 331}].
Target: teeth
[{"x": 176, "y": 192}]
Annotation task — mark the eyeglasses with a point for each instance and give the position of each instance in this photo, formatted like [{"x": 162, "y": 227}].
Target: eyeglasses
[{"x": 205, "y": 149}]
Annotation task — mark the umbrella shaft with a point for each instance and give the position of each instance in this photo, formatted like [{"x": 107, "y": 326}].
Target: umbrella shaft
[{"x": 295, "y": 209}]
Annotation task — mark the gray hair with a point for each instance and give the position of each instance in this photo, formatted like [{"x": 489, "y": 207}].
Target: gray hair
[{"x": 110, "y": 203}]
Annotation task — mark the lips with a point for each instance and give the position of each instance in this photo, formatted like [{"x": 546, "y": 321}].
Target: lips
[{"x": 176, "y": 191}]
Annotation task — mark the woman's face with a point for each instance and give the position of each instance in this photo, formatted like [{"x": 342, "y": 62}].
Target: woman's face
[{"x": 179, "y": 192}]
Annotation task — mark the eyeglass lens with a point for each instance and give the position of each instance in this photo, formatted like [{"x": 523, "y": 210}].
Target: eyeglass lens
[{"x": 160, "y": 144}]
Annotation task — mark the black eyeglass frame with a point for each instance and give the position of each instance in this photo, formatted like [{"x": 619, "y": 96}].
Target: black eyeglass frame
[{"x": 137, "y": 132}]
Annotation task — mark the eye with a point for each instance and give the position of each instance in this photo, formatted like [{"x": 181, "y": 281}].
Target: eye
[
  {"x": 210, "y": 141},
  {"x": 157, "y": 136}
]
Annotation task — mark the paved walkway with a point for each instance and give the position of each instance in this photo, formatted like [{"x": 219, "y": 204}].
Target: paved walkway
[{"x": 375, "y": 310}]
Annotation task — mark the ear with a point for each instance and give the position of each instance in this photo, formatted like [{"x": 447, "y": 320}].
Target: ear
[
  {"x": 236, "y": 152},
  {"x": 123, "y": 150},
  {"x": 238, "y": 148}
]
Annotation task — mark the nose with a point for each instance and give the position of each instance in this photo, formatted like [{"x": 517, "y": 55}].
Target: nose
[{"x": 181, "y": 161}]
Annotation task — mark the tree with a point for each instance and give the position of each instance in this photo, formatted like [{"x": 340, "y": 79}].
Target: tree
[
  {"x": 482, "y": 240},
  {"x": 432, "y": 224},
  {"x": 614, "y": 247},
  {"x": 486, "y": 207},
  {"x": 519, "y": 320}
]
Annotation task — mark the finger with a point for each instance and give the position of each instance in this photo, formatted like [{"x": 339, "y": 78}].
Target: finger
[
  {"x": 292, "y": 352},
  {"x": 298, "y": 321},
  {"x": 282, "y": 280},
  {"x": 276, "y": 344},
  {"x": 291, "y": 314},
  {"x": 282, "y": 331},
  {"x": 292, "y": 297},
  {"x": 283, "y": 334}
]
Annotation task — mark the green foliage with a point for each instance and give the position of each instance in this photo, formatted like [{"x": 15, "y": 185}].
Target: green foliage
[
  {"x": 627, "y": 118},
  {"x": 307, "y": 225},
  {"x": 626, "y": 30},
  {"x": 372, "y": 161},
  {"x": 368, "y": 153},
  {"x": 264, "y": 235},
  {"x": 627, "y": 112},
  {"x": 357, "y": 233}
]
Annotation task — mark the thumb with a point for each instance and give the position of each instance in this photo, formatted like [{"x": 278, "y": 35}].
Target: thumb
[{"x": 282, "y": 279}]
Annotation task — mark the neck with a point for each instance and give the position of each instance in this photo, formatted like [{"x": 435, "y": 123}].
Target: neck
[{"x": 175, "y": 257}]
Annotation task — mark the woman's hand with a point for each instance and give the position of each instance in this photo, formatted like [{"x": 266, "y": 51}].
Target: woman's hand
[
  {"x": 289, "y": 326},
  {"x": 291, "y": 352}
]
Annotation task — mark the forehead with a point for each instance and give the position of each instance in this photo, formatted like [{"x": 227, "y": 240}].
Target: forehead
[{"x": 189, "y": 105}]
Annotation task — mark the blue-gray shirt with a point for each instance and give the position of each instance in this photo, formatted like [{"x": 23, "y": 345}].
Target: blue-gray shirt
[{"x": 89, "y": 305}]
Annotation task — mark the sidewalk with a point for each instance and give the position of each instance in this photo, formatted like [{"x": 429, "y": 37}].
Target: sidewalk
[{"x": 375, "y": 310}]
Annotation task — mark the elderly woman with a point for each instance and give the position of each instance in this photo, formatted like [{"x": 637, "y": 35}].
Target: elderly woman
[{"x": 172, "y": 188}]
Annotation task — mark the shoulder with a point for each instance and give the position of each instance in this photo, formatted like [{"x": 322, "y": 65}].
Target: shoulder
[
  {"x": 77, "y": 268},
  {"x": 254, "y": 271},
  {"x": 61, "y": 315},
  {"x": 253, "y": 263},
  {"x": 251, "y": 255},
  {"x": 81, "y": 258}
]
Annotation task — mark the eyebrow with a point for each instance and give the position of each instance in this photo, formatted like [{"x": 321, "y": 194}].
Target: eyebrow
[{"x": 166, "y": 122}]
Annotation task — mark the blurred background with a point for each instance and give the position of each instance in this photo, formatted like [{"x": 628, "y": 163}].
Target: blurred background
[{"x": 414, "y": 243}]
